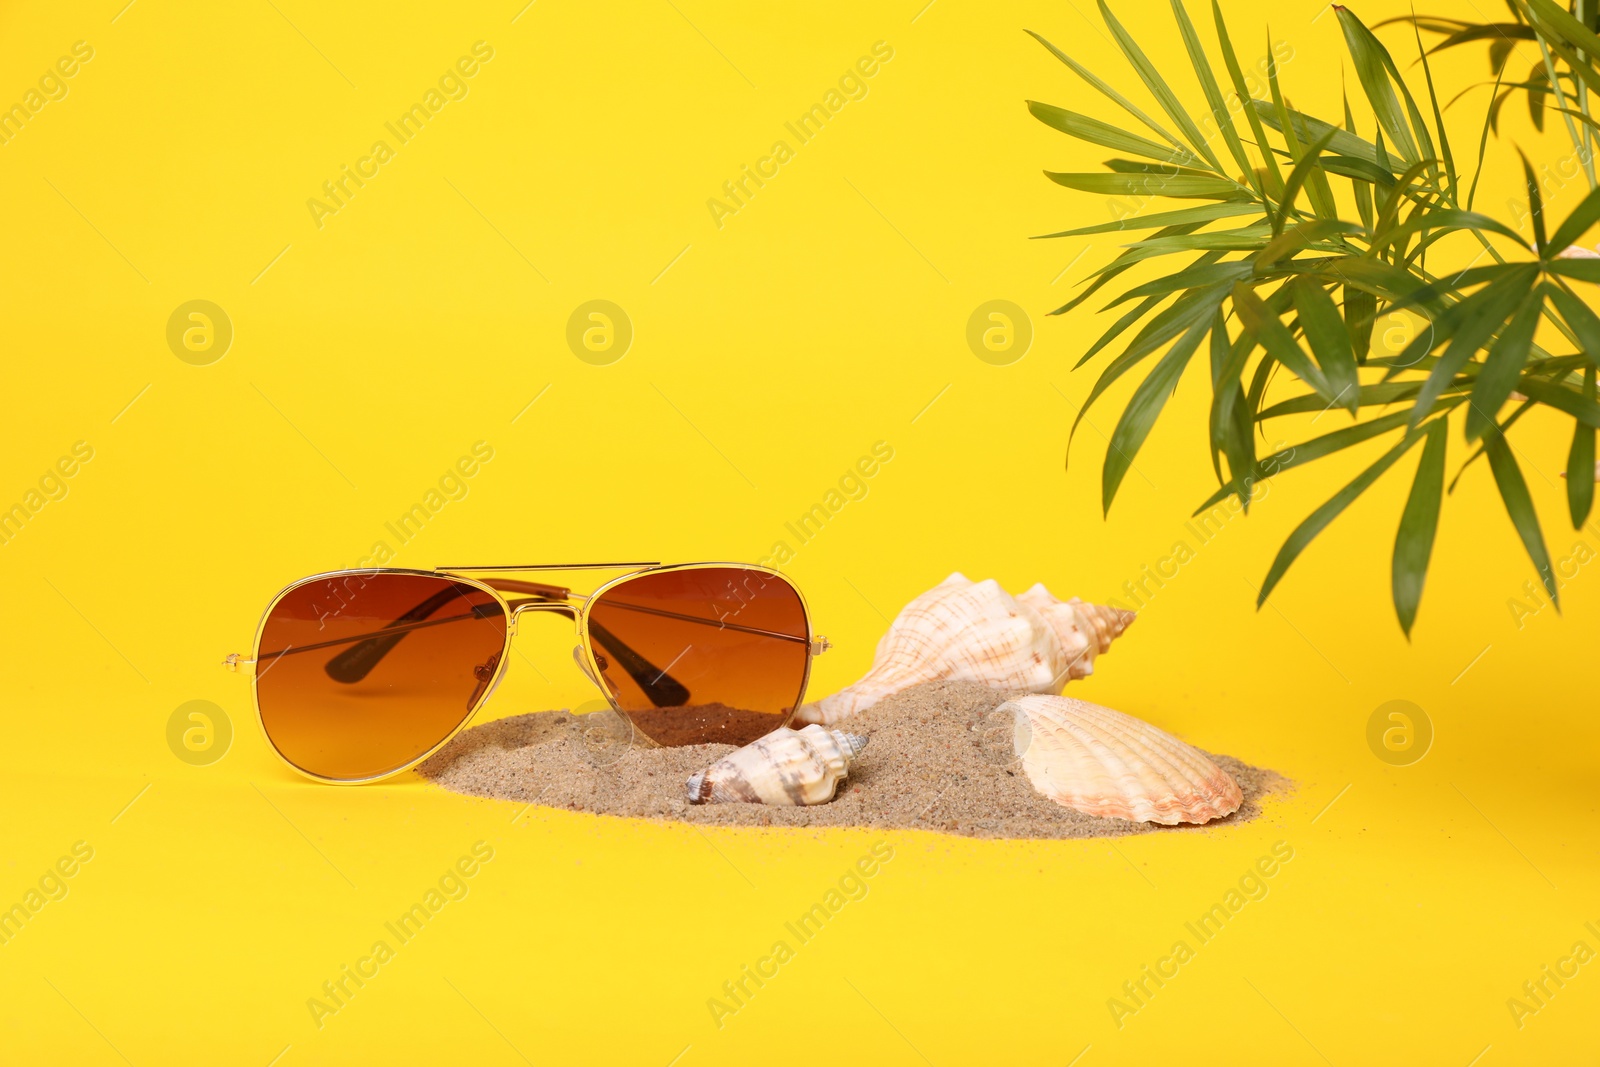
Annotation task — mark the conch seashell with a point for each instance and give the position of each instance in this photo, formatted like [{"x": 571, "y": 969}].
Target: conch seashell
[
  {"x": 969, "y": 631},
  {"x": 1102, "y": 762},
  {"x": 1084, "y": 630},
  {"x": 794, "y": 767}
]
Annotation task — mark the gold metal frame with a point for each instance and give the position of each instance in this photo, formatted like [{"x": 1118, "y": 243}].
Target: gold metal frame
[{"x": 815, "y": 644}]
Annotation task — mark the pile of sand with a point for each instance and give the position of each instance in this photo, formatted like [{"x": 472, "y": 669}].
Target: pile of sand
[{"x": 937, "y": 759}]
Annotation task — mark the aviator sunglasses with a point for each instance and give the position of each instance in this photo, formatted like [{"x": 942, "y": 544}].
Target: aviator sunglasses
[{"x": 363, "y": 674}]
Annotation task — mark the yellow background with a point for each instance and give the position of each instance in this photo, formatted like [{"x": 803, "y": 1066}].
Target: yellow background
[{"x": 769, "y": 354}]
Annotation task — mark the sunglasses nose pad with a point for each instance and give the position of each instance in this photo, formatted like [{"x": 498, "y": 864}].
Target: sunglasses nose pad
[
  {"x": 484, "y": 672},
  {"x": 603, "y": 684}
]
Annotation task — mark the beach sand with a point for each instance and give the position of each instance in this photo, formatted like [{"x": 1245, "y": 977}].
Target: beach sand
[{"x": 937, "y": 759}]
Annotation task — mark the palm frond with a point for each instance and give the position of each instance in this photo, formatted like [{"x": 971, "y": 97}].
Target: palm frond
[{"x": 1309, "y": 235}]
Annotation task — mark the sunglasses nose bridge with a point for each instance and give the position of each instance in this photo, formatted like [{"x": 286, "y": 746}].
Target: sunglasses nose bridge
[{"x": 520, "y": 606}]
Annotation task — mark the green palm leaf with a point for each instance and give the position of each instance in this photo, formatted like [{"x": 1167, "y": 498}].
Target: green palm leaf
[
  {"x": 1585, "y": 215},
  {"x": 1316, "y": 448},
  {"x": 1158, "y": 87},
  {"x": 1276, "y": 338},
  {"x": 1519, "y": 505},
  {"x": 1274, "y": 179},
  {"x": 1580, "y": 462},
  {"x": 1503, "y": 367},
  {"x": 1413, "y": 543},
  {"x": 1319, "y": 318},
  {"x": 1106, "y": 135},
  {"x": 1318, "y": 520},
  {"x": 1177, "y": 186},
  {"x": 1309, "y": 129},
  {"x": 1203, "y": 213},
  {"x": 1141, "y": 412},
  {"x": 1372, "y": 63},
  {"x": 1111, "y": 94},
  {"x": 1213, "y": 93},
  {"x": 1488, "y": 310}
]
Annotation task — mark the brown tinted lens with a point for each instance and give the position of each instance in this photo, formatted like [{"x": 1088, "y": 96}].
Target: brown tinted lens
[
  {"x": 701, "y": 655},
  {"x": 360, "y": 674}
]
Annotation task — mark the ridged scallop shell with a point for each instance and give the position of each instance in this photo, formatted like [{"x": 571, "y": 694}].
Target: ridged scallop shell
[
  {"x": 1105, "y": 763},
  {"x": 969, "y": 631},
  {"x": 793, "y": 767}
]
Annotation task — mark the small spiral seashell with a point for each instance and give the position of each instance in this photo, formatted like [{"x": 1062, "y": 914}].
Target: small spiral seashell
[
  {"x": 789, "y": 767},
  {"x": 1102, "y": 762},
  {"x": 969, "y": 631}
]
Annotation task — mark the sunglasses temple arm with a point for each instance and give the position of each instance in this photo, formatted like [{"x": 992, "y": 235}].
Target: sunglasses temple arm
[
  {"x": 479, "y": 612},
  {"x": 357, "y": 661},
  {"x": 663, "y": 690}
]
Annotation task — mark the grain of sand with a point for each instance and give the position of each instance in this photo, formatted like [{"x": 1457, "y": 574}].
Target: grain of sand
[{"x": 936, "y": 759}]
